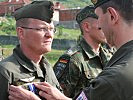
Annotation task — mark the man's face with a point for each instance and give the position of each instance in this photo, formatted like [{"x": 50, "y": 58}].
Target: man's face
[
  {"x": 104, "y": 23},
  {"x": 96, "y": 32},
  {"x": 38, "y": 36}
]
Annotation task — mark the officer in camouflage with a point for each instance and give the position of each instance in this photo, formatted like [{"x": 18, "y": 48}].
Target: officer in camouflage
[
  {"x": 83, "y": 62},
  {"x": 27, "y": 64}
]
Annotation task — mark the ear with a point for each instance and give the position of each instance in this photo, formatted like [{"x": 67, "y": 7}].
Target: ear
[
  {"x": 86, "y": 26},
  {"x": 20, "y": 33},
  {"x": 114, "y": 15}
]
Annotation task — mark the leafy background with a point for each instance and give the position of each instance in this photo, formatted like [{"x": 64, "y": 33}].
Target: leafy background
[{"x": 72, "y": 3}]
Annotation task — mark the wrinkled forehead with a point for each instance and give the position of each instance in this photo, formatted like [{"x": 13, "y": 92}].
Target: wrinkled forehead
[{"x": 38, "y": 22}]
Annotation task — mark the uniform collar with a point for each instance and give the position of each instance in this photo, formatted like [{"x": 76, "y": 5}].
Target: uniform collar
[
  {"x": 121, "y": 52},
  {"x": 23, "y": 60},
  {"x": 87, "y": 48}
]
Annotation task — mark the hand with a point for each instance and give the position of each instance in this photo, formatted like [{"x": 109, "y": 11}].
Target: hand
[
  {"x": 18, "y": 93},
  {"x": 49, "y": 92}
]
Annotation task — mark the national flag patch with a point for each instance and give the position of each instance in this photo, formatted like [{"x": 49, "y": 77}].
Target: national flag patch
[
  {"x": 63, "y": 61},
  {"x": 82, "y": 96}
]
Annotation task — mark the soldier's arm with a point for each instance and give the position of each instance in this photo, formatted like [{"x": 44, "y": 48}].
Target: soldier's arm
[
  {"x": 74, "y": 78},
  {"x": 67, "y": 74}
]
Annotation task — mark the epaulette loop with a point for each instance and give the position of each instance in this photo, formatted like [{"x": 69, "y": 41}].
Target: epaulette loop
[{"x": 73, "y": 50}]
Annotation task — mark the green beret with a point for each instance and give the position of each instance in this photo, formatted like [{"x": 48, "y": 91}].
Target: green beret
[
  {"x": 88, "y": 11},
  {"x": 42, "y": 10},
  {"x": 98, "y": 2}
]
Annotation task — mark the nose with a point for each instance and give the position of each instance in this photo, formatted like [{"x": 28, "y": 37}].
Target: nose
[{"x": 49, "y": 34}]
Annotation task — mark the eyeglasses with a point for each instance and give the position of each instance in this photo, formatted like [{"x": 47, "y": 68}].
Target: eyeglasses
[{"x": 46, "y": 29}]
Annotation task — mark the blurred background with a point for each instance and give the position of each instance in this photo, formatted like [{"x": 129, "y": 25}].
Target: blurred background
[{"x": 67, "y": 29}]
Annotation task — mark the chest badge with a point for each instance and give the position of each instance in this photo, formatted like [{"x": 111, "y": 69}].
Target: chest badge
[{"x": 28, "y": 79}]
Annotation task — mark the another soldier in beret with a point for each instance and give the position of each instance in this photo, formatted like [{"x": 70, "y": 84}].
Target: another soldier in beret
[
  {"x": 27, "y": 64},
  {"x": 83, "y": 62},
  {"x": 115, "y": 82}
]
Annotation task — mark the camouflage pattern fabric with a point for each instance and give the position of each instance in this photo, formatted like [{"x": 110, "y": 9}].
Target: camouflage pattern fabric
[
  {"x": 115, "y": 81},
  {"x": 79, "y": 66}
]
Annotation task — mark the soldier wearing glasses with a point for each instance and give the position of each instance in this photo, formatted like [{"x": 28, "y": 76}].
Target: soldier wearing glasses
[
  {"x": 115, "y": 82},
  {"x": 27, "y": 64}
]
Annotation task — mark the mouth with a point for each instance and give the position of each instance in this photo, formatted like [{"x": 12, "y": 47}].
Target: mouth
[{"x": 47, "y": 42}]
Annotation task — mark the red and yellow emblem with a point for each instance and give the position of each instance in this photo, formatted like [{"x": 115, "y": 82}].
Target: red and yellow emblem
[{"x": 63, "y": 61}]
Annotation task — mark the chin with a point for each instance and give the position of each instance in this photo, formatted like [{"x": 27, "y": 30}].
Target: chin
[
  {"x": 104, "y": 41},
  {"x": 46, "y": 50}
]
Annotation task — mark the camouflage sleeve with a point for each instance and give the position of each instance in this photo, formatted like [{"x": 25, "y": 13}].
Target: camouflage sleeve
[
  {"x": 68, "y": 74},
  {"x": 61, "y": 65},
  {"x": 74, "y": 78}
]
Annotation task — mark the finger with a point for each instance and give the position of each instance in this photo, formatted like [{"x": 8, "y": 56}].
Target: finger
[
  {"x": 12, "y": 98},
  {"x": 45, "y": 95},
  {"x": 18, "y": 93},
  {"x": 43, "y": 88},
  {"x": 12, "y": 88},
  {"x": 13, "y": 94},
  {"x": 45, "y": 84}
]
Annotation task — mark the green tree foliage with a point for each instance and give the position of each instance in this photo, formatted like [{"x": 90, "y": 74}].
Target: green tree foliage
[
  {"x": 70, "y": 3},
  {"x": 7, "y": 26},
  {"x": 75, "y": 3}
]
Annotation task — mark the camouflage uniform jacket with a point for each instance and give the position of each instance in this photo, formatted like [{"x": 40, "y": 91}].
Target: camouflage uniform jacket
[
  {"x": 18, "y": 70},
  {"x": 78, "y": 66},
  {"x": 115, "y": 82}
]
